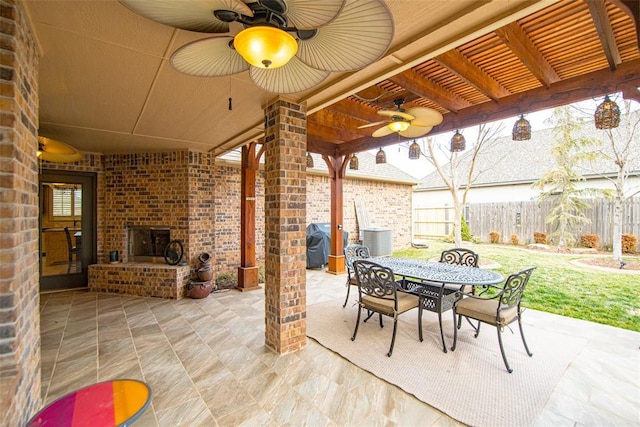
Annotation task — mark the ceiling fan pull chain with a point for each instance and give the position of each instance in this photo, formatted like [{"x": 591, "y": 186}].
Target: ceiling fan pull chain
[{"x": 230, "y": 103}]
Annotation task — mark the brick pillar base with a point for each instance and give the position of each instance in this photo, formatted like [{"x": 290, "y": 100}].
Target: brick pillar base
[{"x": 285, "y": 231}]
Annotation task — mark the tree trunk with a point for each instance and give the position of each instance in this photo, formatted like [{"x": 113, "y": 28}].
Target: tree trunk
[
  {"x": 617, "y": 226},
  {"x": 457, "y": 222}
]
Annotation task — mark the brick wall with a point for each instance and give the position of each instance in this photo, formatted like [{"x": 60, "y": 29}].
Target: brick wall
[
  {"x": 174, "y": 189},
  {"x": 19, "y": 298},
  {"x": 389, "y": 205}
]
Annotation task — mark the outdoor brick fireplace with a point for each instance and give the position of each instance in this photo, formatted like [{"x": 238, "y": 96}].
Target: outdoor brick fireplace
[{"x": 150, "y": 199}]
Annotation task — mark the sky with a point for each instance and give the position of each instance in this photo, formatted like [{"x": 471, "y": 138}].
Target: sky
[{"x": 398, "y": 155}]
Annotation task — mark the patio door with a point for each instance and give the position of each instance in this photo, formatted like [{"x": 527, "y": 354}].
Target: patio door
[{"x": 67, "y": 229}]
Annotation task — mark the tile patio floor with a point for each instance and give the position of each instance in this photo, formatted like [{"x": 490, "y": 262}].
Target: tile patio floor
[{"x": 206, "y": 363}]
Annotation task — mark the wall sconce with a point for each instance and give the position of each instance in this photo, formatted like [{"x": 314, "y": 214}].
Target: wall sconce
[
  {"x": 458, "y": 143},
  {"x": 414, "y": 151},
  {"x": 607, "y": 115},
  {"x": 353, "y": 163},
  {"x": 521, "y": 129},
  {"x": 381, "y": 157}
]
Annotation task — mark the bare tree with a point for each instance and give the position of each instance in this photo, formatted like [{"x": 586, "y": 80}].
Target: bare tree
[
  {"x": 460, "y": 174},
  {"x": 622, "y": 147}
]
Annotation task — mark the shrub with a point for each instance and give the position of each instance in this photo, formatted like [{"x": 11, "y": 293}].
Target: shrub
[
  {"x": 464, "y": 230},
  {"x": 590, "y": 240},
  {"x": 226, "y": 281},
  {"x": 515, "y": 240},
  {"x": 629, "y": 243},
  {"x": 494, "y": 237},
  {"x": 539, "y": 237}
]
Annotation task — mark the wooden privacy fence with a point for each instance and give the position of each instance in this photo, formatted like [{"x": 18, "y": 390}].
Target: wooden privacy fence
[{"x": 523, "y": 218}]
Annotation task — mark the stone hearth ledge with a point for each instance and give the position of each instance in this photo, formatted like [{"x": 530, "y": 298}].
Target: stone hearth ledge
[{"x": 140, "y": 279}]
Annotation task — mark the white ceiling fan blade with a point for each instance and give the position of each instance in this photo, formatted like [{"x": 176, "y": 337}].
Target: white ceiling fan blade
[
  {"x": 415, "y": 131},
  {"x": 357, "y": 37},
  {"x": 373, "y": 124},
  {"x": 391, "y": 113},
  {"x": 209, "y": 57},
  {"x": 425, "y": 116},
  {"x": 294, "y": 76},
  {"x": 383, "y": 131},
  {"x": 311, "y": 14},
  {"x": 191, "y": 15}
]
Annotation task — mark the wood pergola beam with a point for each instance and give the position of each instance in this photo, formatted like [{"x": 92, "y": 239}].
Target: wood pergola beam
[
  {"x": 466, "y": 70},
  {"x": 425, "y": 88},
  {"x": 632, "y": 9},
  {"x": 597, "y": 83},
  {"x": 598, "y": 11},
  {"x": 521, "y": 46}
]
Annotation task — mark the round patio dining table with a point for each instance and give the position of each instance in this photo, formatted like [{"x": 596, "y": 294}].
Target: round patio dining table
[{"x": 109, "y": 403}]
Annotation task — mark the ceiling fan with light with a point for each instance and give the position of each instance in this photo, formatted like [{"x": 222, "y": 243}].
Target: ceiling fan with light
[
  {"x": 287, "y": 45},
  {"x": 56, "y": 151},
  {"x": 410, "y": 123}
]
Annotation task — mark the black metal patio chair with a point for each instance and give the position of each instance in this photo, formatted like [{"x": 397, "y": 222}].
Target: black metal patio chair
[
  {"x": 498, "y": 310},
  {"x": 378, "y": 293},
  {"x": 351, "y": 253}
]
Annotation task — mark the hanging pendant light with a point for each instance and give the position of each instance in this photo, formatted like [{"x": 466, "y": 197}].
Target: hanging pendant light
[
  {"x": 521, "y": 130},
  {"x": 265, "y": 47},
  {"x": 458, "y": 143},
  {"x": 607, "y": 115},
  {"x": 414, "y": 151},
  {"x": 353, "y": 163},
  {"x": 381, "y": 157},
  {"x": 309, "y": 160}
]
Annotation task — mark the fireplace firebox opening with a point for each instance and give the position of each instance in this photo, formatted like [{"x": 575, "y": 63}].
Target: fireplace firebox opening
[{"x": 147, "y": 243}]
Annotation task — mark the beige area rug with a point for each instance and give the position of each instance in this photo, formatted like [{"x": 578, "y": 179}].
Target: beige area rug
[{"x": 470, "y": 384}]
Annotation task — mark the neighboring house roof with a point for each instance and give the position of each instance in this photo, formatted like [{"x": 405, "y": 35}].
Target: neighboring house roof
[
  {"x": 367, "y": 168},
  {"x": 505, "y": 161}
]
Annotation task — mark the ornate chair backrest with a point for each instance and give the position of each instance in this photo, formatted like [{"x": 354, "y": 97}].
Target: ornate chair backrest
[
  {"x": 375, "y": 280},
  {"x": 354, "y": 252},
  {"x": 513, "y": 289},
  {"x": 460, "y": 256}
]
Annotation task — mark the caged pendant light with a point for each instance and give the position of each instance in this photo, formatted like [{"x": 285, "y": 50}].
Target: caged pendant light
[
  {"x": 309, "y": 160},
  {"x": 414, "y": 151},
  {"x": 353, "y": 163},
  {"x": 607, "y": 115},
  {"x": 381, "y": 157},
  {"x": 458, "y": 143},
  {"x": 521, "y": 130}
]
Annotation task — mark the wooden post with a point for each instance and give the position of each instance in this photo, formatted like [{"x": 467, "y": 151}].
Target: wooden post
[
  {"x": 248, "y": 271},
  {"x": 337, "y": 167}
]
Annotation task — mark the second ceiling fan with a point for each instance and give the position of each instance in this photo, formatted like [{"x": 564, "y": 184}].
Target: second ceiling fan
[{"x": 410, "y": 123}]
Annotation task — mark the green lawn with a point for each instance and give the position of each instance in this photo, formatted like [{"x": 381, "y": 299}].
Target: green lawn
[{"x": 556, "y": 286}]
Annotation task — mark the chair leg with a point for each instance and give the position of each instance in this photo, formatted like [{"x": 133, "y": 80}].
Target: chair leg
[
  {"x": 504, "y": 356},
  {"x": 380, "y": 317},
  {"x": 420, "y": 321},
  {"x": 347, "y": 298},
  {"x": 526, "y": 347},
  {"x": 355, "y": 331},
  {"x": 477, "y": 329},
  {"x": 393, "y": 337},
  {"x": 444, "y": 347},
  {"x": 455, "y": 332}
]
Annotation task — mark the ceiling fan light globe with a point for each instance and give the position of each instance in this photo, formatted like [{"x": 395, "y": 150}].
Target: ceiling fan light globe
[
  {"x": 399, "y": 126},
  {"x": 265, "y": 47}
]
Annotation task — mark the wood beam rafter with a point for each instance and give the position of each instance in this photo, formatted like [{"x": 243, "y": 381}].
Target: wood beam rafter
[
  {"x": 521, "y": 46},
  {"x": 597, "y": 83},
  {"x": 598, "y": 11},
  {"x": 632, "y": 9},
  {"x": 425, "y": 88},
  {"x": 461, "y": 66}
]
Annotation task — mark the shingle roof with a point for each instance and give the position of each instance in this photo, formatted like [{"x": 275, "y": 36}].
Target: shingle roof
[
  {"x": 367, "y": 168},
  {"x": 507, "y": 161}
]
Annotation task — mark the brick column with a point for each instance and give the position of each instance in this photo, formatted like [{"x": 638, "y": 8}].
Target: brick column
[
  {"x": 285, "y": 231},
  {"x": 19, "y": 282}
]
